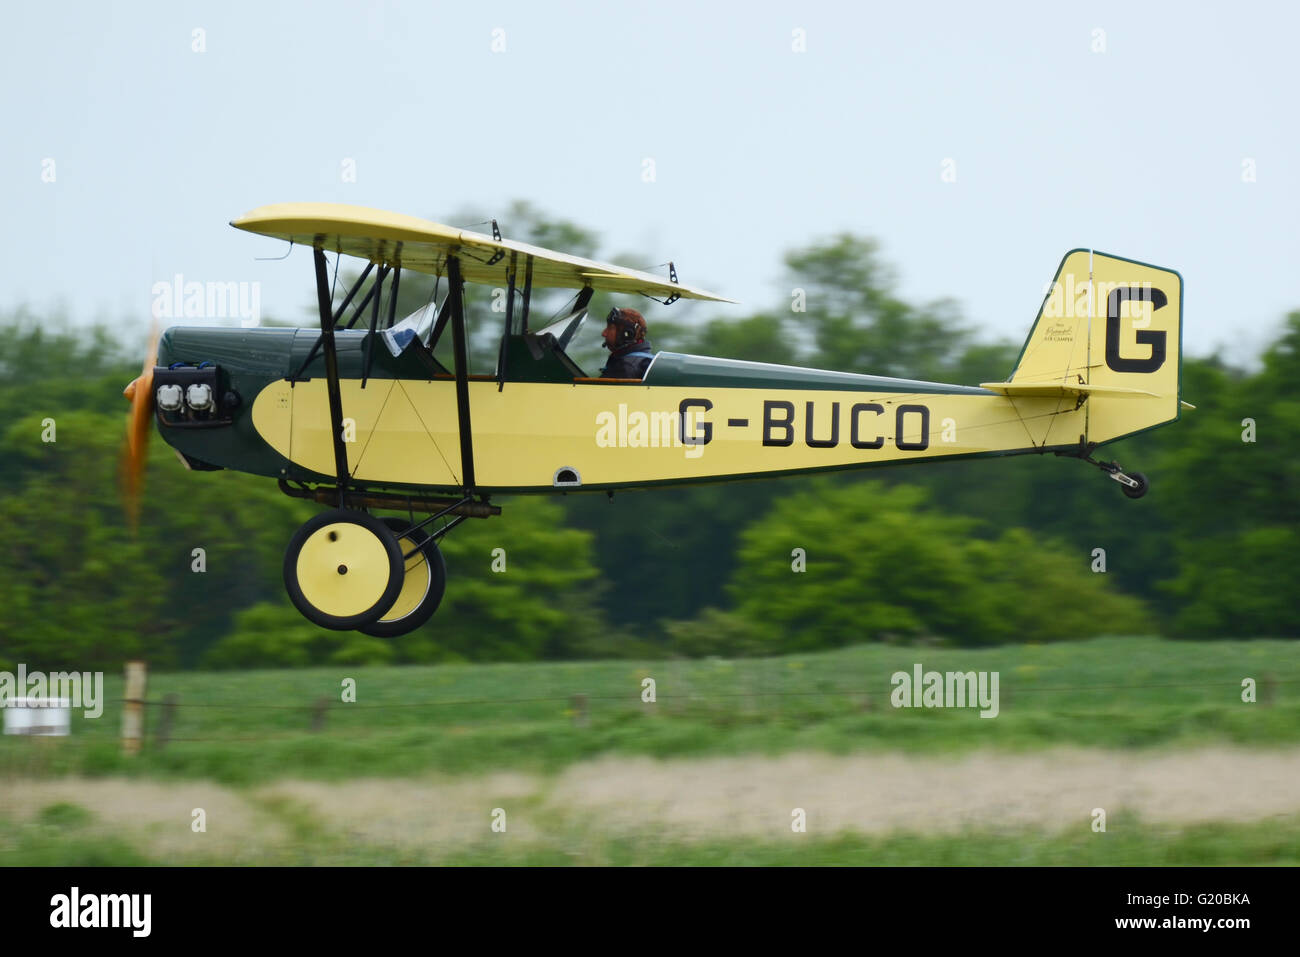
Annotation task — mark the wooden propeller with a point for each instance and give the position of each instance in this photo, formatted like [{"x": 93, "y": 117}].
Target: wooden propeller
[{"x": 139, "y": 423}]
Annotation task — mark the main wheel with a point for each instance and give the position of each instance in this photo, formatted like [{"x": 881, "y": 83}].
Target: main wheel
[
  {"x": 423, "y": 583},
  {"x": 343, "y": 569},
  {"x": 1141, "y": 486}
]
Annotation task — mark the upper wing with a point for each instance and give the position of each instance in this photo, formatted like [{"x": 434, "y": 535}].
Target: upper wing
[{"x": 375, "y": 235}]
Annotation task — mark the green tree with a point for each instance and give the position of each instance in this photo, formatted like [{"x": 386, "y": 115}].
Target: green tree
[
  {"x": 78, "y": 588},
  {"x": 272, "y": 634},
  {"x": 880, "y": 565},
  {"x": 856, "y": 323},
  {"x": 541, "y": 601},
  {"x": 1233, "y": 498},
  {"x": 760, "y": 338}
]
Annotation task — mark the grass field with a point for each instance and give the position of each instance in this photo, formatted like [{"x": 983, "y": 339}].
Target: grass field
[
  {"x": 1154, "y": 731},
  {"x": 249, "y": 727}
]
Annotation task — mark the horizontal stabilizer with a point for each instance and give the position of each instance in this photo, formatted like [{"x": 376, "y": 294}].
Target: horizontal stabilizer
[{"x": 1049, "y": 390}]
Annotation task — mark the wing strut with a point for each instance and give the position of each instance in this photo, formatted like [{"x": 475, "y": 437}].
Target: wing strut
[
  {"x": 374, "y": 318},
  {"x": 315, "y": 346},
  {"x": 331, "y": 371},
  {"x": 505, "y": 334},
  {"x": 456, "y": 300},
  {"x": 528, "y": 289},
  {"x": 376, "y": 289}
]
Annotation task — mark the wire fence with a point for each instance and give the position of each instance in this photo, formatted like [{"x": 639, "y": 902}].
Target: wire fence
[
  {"x": 746, "y": 696},
  {"x": 751, "y": 704},
  {"x": 635, "y": 697}
]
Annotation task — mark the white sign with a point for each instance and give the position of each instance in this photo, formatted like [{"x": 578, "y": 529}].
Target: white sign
[{"x": 48, "y": 716}]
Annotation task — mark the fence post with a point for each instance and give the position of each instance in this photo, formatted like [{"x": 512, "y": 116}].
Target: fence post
[
  {"x": 133, "y": 707},
  {"x": 578, "y": 703},
  {"x": 318, "y": 710},
  {"x": 167, "y": 719}
]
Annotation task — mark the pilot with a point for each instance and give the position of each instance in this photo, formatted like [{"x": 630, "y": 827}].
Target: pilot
[{"x": 624, "y": 336}]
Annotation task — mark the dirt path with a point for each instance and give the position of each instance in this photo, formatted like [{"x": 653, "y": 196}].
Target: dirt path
[{"x": 693, "y": 799}]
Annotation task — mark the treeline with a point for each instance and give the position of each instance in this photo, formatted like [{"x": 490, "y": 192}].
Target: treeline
[{"x": 972, "y": 552}]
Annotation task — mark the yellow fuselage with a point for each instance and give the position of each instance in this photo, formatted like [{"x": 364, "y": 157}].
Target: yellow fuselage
[{"x": 611, "y": 435}]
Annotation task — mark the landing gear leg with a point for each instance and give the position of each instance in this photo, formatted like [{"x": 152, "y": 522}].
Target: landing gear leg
[
  {"x": 1132, "y": 484},
  {"x": 423, "y": 583}
]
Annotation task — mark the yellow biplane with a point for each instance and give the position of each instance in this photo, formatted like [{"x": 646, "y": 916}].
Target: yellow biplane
[{"x": 367, "y": 419}]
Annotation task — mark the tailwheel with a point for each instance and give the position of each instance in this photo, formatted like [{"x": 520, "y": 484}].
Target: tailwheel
[
  {"x": 343, "y": 569},
  {"x": 423, "y": 582},
  {"x": 1132, "y": 484},
  {"x": 1139, "y": 485}
]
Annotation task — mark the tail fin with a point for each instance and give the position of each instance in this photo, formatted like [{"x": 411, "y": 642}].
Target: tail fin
[{"x": 1109, "y": 329}]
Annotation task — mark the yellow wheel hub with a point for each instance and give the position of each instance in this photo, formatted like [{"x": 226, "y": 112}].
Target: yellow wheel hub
[
  {"x": 343, "y": 569},
  {"x": 417, "y": 581}
]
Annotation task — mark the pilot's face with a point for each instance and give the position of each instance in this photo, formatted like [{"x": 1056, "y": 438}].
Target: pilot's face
[{"x": 610, "y": 335}]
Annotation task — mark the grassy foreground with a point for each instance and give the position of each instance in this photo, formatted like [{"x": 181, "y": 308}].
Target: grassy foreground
[
  {"x": 66, "y": 836},
  {"x": 245, "y": 728}
]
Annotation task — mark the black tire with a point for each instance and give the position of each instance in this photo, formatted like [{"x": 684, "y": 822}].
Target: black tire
[
  {"x": 1141, "y": 487},
  {"x": 376, "y": 593},
  {"x": 437, "y": 572}
]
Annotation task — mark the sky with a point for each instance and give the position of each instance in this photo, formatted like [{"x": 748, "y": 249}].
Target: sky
[{"x": 975, "y": 142}]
